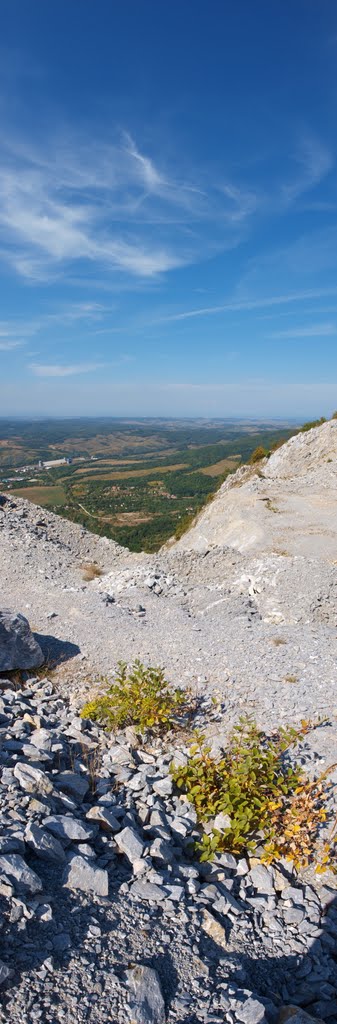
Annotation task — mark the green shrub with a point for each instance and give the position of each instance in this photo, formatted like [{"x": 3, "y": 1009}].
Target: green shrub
[
  {"x": 258, "y": 454},
  {"x": 139, "y": 696},
  {"x": 265, "y": 798},
  {"x": 334, "y": 415}
]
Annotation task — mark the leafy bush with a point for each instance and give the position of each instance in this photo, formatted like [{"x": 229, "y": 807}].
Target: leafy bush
[
  {"x": 334, "y": 415},
  {"x": 262, "y": 796},
  {"x": 141, "y": 697},
  {"x": 258, "y": 454}
]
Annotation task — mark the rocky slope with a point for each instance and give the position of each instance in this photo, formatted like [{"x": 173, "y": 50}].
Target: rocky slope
[
  {"x": 287, "y": 506},
  {"x": 256, "y": 626},
  {"x": 243, "y": 608}
]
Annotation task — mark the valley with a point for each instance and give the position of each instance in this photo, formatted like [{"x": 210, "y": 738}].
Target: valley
[{"x": 138, "y": 482}]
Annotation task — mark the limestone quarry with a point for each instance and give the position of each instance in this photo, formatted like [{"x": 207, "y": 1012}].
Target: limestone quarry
[{"x": 106, "y": 913}]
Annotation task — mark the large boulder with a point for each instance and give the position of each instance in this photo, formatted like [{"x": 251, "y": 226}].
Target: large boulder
[{"x": 18, "y": 647}]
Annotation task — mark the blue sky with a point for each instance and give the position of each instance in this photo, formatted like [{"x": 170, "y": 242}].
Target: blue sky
[{"x": 168, "y": 207}]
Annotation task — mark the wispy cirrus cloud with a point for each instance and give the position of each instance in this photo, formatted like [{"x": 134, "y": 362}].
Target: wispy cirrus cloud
[
  {"x": 89, "y": 315},
  {"x": 313, "y": 161},
  {"x": 242, "y": 305},
  {"x": 307, "y": 331},
  {"x": 73, "y": 207},
  {"x": 109, "y": 205},
  {"x": 8, "y": 346},
  {"x": 62, "y": 370}
]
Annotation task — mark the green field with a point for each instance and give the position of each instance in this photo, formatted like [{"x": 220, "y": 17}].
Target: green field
[{"x": 53, "y": 495}]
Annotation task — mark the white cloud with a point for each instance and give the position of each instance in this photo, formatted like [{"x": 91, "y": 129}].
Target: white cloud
[
  {"x": 7, "y": 346},
  {"x": 151, "y": 178},
  {"x": 242, "y": 202},
  {"x": 310, "y": 331},
  {"x": 315, "y": 161},
  {"x": 55, "y": 370},
  {"x": 86, "y": 203}
]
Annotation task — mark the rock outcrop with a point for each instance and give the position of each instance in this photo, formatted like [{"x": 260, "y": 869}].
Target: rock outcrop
[{"x": 286, "y": 504}]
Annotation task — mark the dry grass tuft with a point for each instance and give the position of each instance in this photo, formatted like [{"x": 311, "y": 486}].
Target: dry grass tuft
[{"x": 91, "y": 571}]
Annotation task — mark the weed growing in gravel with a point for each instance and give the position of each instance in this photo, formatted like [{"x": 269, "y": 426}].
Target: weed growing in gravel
[
  {"x": 91, "y": 571},
  {"x": 140, "y": 696},
  {"x": 261, "y": 797}
]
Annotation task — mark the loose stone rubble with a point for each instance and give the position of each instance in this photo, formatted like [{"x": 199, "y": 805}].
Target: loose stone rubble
[{"x": 106, "y": 915}]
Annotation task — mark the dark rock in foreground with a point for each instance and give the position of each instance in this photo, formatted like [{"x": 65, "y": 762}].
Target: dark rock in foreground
[{"x": 18, "y": 647}]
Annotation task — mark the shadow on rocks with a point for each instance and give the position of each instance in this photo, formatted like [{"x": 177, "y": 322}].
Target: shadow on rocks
[
  {"x": 91, "y": 936},
  {"x": 57, "y": 934},
  {"x": 56, "y": 651},
  {"x": 307, "y": 981}
]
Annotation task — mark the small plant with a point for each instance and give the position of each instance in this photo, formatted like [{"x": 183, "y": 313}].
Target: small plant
[
  {"x": 334, "y": 415},
  {"x": 269, "y": 505},
  {"x": 91, "y": 571},
  {"x": 290, "y": 679},
  {"x": 92, "y": 760},
  {"x": 140, "y": 696},
  {"x": 260, "y": 795},
  {"x": 258, "y": 454}
]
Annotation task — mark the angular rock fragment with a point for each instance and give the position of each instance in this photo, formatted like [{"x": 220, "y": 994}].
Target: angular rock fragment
[
  {"x": 45, "y": 846},
  {"x": 130, "y": 843},
  {"x": 83, "y": 874},
  {"x": 69, "y": 829},
  {"x": 164, "y": 786},
  {"x": 251, "y": 1011},
  {"x": 148, "y": 891},
  {"x": 18, "y": 647},
  {"x": 106, "y": 818},
  {"x": 145, "y": 999},
  {"x": 213, "y": 928},
  {"x": 76, "y": 785},
  {"x": 261, "y": 877},
  {"x": 222, "y": 822},
  {"x": 42, "y": 739},
  {"x": 32, "y": 779},
  {"x": 161, "y": 851},
  {"x": 24, "y": 879}
]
